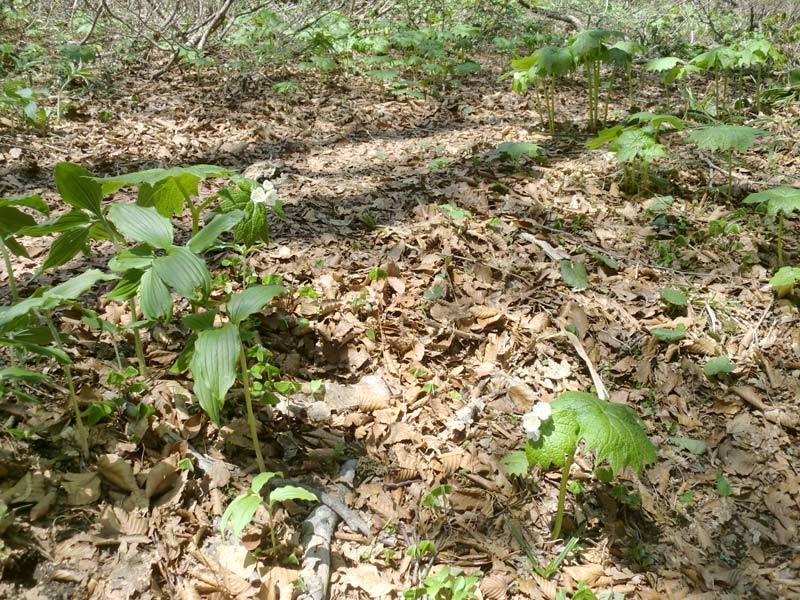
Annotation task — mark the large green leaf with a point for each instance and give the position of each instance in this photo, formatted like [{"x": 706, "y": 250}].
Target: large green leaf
[
  {"x": 726, "y": 137},
  {"x": 154, "y": 296},
  {"x": 34, "y": 201},
  {"x": 73, "y": 288},
  {"x": 18, "y": 374},
  {"x": 664, "y": 63},
  {"x": 153, "y": 176},
  {"x": 78, "y": 188},
  {"x": 136, "y": 258},
  {"x": 253, "y": 227},
  {"x": 12, "y": 220},
  {"x": 67, "y": 221},
  {"x": 784, "y": 199},
  {"x": 213, "y": 367},
  {"x": 252, "y": 300},
  {"x": 613, "y": 431},
  {"x": 142, "y": 224},
  {"x": 66, "y": 246},
  {"x": 291, "y": 492},
  {"x": 208, "y": 235},
  {"x": 574, "y": 274},
  {"x": 239, "y": 513},
  {"x": 183, "y": 271},
  {"x": 168, "y": 196}
]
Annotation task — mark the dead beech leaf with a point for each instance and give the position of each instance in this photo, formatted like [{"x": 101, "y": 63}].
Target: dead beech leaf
[
  {"x": 117, "y": 472},
  {"x": 42, "y": 507},
  {"x": 118, "y": 521},
  {"x": 586, "y": 573},
  {"x": 367, "y": 578},
  {"x": 160, "y": 478},
  {"x": 523, "y": 396},
  {"x": 81, "y": 488},
  {"x": 278, "y": 584},
  {"x": 495, "y": 586}
]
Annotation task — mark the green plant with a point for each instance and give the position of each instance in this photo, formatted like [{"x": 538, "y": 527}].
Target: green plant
[
  {"x": 542, "y": 69},
  {"x": 613, "y": 431},
  {"x": 720, "y": 61},
  {"x": 241, "y": 511},
  {"x": 217, "y": 351},
  {"x": 24, "y": 100},
  {"x": 15, "y": 323},
  {"x": 727, "y": 139},
  {"x": 758, "y": 53},
  {"x": 780, "y": 201},
  {"x": 786, "y": 278},
  {"x": 590, "y": 48},
  {"x": 445, "y": 584},
  {"x": 515, "y": 151},
  {"x": 12, "y": 219},
  {"x": 167, "y": 190}
]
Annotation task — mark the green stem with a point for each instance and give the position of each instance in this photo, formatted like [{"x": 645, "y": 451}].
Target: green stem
[
  {"x": 758, "y": 87},
  {"x": 12, "y": 283},
  {"x": 780, "y": 239},
  {"x": 272, "y": 538},
  {"x": 730, "y": 175},
  {"x": 251, "y": 418},
  {"x": 73, "y": 397},
  {"x": 137, "y": 340},
  {"x": 562, "y": 493},
  {"x": 195, "y": 217}
]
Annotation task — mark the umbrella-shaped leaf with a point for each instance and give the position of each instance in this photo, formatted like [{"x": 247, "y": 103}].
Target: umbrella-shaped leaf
[
  {"x": 664, "y": 63},
  {"x": 142, "y": 224},
  {"x": 726, "y": 137},
  {"x": 786, "y": 276},
  {"x": 213, "y": 367},
  {"x": 780, "y": 199}
]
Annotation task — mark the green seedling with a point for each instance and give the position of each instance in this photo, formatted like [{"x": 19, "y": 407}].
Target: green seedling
[
  {"x": 241, "y": 511},
  {"x": 445, "y": 584},
  {"x": 758, "y": 53},
  {"x": 613, "y": 431},
  {"x": 780, "y": 201},
  {"x": 720, "y": 61},
  {"x": 590, "y": 48},
  {"x": 718, "y": 366},
  {"x": 727, "y": 139},
  {"x": 217, "y": 351},
  {"x": 12, "y": 219},
  {"x": 785, "y": 279},
  {"x": 515, "y": 151}
]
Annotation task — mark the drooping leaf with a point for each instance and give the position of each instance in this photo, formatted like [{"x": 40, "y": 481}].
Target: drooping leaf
[
  {"x": 290, "y": 492},
  {"x": 135, "y": 258},
  {"x": 183, "y": 271},
  {"x": 33, "y": 201},
  {"x": 239, "y": 513},
  {"x": 142, "y": 224},
  {"x": 154, "y": 296},
  {"x": 718, "y": 365},
  {"x": 726, "y": 137},
  {"x": 574, "y": 274},
  {"x": 209, "y": 234},
  {"x": 127, "y": 286},
  {"x": 18, "y": 374},
  {"x": 66, "y": 222},
  {"x": 252, "y": 300},
  {"x": 153, "y": 176},
  {"x": 663, "y": 63},
  {"x": 74, "y": 288},
  {"x": 786, "y": 276},
  {"x": 613, "y": 431},
  {"x": 78, "y": 188},
  {"x": 516, "y": 150},
  {"x": 784, "y": 199},
  {"x": 213, "y": 367},
  {"x": 12, "y": 220}
]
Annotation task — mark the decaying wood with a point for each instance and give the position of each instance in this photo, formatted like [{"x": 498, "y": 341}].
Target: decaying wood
[
  {"x": 318, "y": 531},
  {"x": 572, "y": 20}
]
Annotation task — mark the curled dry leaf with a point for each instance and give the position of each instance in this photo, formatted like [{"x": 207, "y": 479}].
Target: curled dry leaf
[
  {"x": 401, "y": 475},
  {"x": 81, "y": 488},
  {"x": 117, "y": 472},
  {"x": 32, "y": 487},
  {"x": 160, "y": 478},
  {"x": 450, "y": 462},
  {"x": 522, "y": 396},
  {"x": 495, "y": 586}
]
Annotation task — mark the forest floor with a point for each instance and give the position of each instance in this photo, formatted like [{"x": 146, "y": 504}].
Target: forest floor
[{"x": 417, "y": 366}]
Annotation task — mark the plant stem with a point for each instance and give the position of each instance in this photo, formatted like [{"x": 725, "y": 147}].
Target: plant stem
[
  {"x": 780, "y": 239},
  {"x": 730, "y": 175},
  {"x": 12, "y": 283},
  {"x": 137, "y": 340},
  {"x": 73, "y": 397},
  {"x": 251, "y": 418},
  {"x": 272, "y": 539},
  {"x": 562, "y": 492}
]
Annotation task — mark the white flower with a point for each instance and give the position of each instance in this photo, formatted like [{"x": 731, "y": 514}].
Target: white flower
[
  {"x": 542, "y": 410},
  {"x": 265, "y": 194},
  {"x": 531, "y": 424}
]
